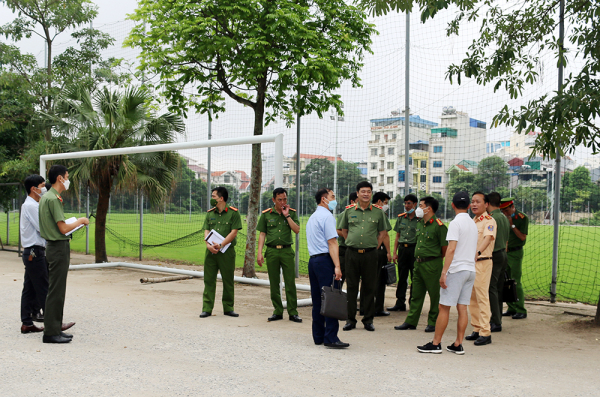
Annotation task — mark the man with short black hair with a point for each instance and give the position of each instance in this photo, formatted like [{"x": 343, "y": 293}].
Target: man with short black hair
[
  {"x": 226, "y": 221},
  {"x": 276, "y": 225},
  {"x": 381, "y": 200},
  {"x": 341, "y": 241},
  {"x": 500, "y": 260}
]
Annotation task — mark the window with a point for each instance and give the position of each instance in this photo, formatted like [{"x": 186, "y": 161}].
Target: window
[
  {"x": 423, "y": 163},
  {"x": 394, "y": 136},
  {"x": 374, "y": 152},
  {"x": 401, "y": 176},
  {"x": 437, "y": 179},
  {"x": 226, "y": 179},
  {"x": 373, "y": 179},
  {"x": 437, "y": 164},
  {"x": 390, "y": 165},
  {"x": 373, "y": 166},
  {"x": 391, "y": 151},
  {"x": 437, "y": 149},
  {"x": 381, "y": 178},
  {"x": 424, "y": 178},
  {"x": 391, "y": 194},
  {"x": 390, "y": 179},
  {"x": 376, "y": 137},
  {"x": 410, "y": 161},
  {"x": 382, "y": 164}
]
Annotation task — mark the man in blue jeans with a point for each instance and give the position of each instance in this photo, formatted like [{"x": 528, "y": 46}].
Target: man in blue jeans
[{"x": 323, "y": 266}]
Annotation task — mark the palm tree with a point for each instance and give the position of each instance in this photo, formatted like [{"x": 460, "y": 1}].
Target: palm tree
[{"x": 113, "y": 119}]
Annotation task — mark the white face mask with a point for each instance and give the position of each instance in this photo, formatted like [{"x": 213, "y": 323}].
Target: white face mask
[
  {"x": 385, "y": 207},
  {"x": 43, "y": 191},
  {"x": 419, "y": 213},
  {"x": 66, "y": 184}
]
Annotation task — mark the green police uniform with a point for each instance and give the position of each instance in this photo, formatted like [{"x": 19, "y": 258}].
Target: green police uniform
[
  {"x": 406, "y": 229},
  {"x": 382, "y": 273},
  {"x": 280, "y": 255},
  {"x": 58, "y": 254},
  {"x": 500, "y": 263},
  {"x": 515, "y": 259},
  {"x": 429, "y": 261},
  {"x": 342, "y": 248},
  {"x": 223, "y": 222},
  {"x": 361, "y": 257}
]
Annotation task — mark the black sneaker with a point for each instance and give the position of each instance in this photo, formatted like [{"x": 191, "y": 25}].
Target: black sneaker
[
  {"x": 430, "y": 348},
  {"x": 456, "y": 349}
]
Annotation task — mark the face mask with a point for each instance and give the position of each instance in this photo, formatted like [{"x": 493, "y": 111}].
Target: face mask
[
  {"x": 66, "y": 184},
  {"x": 512, "y": 215},
  {"x": 385, "y": 207},
  {"x": 213, "y": 202},
  {"x": 43, "y": 191},
  {"x": 419, "y": 213},
  {"x": 411, "y": 211},
  {"x": 332, "y": 204}
]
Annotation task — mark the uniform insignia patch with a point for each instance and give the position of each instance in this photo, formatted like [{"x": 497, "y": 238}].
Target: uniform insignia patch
[
  {"x": 402, "y": 214},
  {"x": 267, "y": 210},
  {"x": 59, "y": 198},
  {"x": 233, "y": 208},
  {"x": 375, "y": 205},
  {"x": 212, "y": 209},
  {"x": 488, "y": 217},
  {"x": 440, "y": 222},
  {"x": 291, "y": 209},
  {"x": 490, "y": 228},
  {"x": 350, "y": 206},
  {"x": 521, "y": 215}
]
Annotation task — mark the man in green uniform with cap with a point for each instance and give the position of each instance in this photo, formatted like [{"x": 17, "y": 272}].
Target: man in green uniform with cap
[
  {"x": 58, "y": 252},
  {"x": 226, "y": 221},
  {"x": 381, "y": 200},
  {"x": 429, "y": 262},
  {"x": 519, "y": 226},
  {"x": 276, "y": 225},
  {"x": 499, "y": 260},
  {"x": 341, "y": 241}
]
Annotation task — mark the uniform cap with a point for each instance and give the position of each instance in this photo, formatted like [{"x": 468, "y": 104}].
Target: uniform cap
[
  {"x": 507, "y": 202},
  {"x": 460, "y": 197}
]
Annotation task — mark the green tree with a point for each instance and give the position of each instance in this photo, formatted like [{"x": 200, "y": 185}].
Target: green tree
[
  {"x": 109, "y": 120},
  {"x": 576, "y": 188},
  {"x": 277, "y": 57},
  {"x": 461, "y": 181},
  {"x": 492, "y": 175}
]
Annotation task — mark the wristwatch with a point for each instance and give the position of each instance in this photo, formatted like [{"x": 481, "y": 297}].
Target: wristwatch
[
  {"x": 512, "y": 226},
  {"x": 287, "y": 216}
]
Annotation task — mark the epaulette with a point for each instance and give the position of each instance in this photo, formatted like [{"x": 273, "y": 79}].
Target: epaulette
[
  {"x": 488, "y": 217},
  {"x": 350, "y": 206},
  {"x": 376, "y": 206},
  {"x": 439, "y": 222},
  {"x": 233, "y": 208},
  {"x": 267, "y": 210},
  {"x": 402, "y": 214},
  {"x": 521, "y": 215},
  {"x": 291, "y": 209},
  {"x": 211, "y": 209}
]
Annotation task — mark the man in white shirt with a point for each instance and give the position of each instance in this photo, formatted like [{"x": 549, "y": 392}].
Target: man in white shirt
[{"x": 458, "y": 276}]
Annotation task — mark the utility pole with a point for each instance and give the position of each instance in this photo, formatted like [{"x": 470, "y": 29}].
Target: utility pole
[
  {"x": 335, "y": 116},
  {"x": 208, "y": 188},
  {"x": 298, "y": 191},
  {"x": 407, "y": 107}
]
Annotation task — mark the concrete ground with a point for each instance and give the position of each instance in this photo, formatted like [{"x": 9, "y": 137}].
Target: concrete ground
[{"x": 135, "y": 339}]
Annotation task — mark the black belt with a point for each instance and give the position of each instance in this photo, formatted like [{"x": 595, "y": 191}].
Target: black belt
[
  {"x": 278, "y": 246},
  {"x": 39, "y": 247},
  {"x": 514, "y": 249},
  {"x": 405, "y": 245},
  {"x": 323, "y": 254},
  {"x": 362, "y": 250},
  {"x": 426, "y": 259},
  {"x": 484, "y": 259}
]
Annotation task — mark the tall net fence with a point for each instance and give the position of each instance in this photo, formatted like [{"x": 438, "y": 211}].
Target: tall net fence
[{"x": 452, "y": 146}]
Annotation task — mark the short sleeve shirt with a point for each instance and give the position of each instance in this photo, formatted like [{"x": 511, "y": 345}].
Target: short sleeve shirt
[
  {"x": 464, "y": 232},
  {"x": 223, "y": 222},
  {"x": 276, "y": 226},
  {"x": 503, "y": 230},
  {"x": 51, "y": 212},
  {"x": 363, "y": 225},
  {"x": 486, "y": 226},
  {"x": 406, "y": 229},
  {"x": 521, "y": 222},
  {"x": 320, "y": 228},
  {"x": 431, "y": 237}
]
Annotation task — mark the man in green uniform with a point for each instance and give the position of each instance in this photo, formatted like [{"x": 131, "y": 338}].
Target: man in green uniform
[
  {"x": 226, "y": 221},
  {"x": 499, "y": 259},
  {"x": 429, "y": 262},
  {"x": 404, "y": 249},
  {"x": 276, "y": 225},
  {"x": 519, "y": 226},
  {"x": 58, "y": 252},
  {"x": 363, "y": 226},
  {"x": 381, "y": 200},
  {"x": 341, "y": 241}
]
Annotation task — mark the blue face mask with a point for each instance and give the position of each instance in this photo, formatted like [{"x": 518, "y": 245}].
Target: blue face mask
[
  {"x": 332, "y": 204},
  {"x": 411, "y": 211},
  {"x": 512, "y": 215}
]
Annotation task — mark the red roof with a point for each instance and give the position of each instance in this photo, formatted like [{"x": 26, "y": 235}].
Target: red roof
[
  {"x": 516, "y": 162},
  {"x": 217, "y": 173},
  {"x": 462, "y": 167},
  {"x": 243, "y": 175},
  {"x": 198, "y": 169},
  {"x": 318, "y": 156},
  {"x": 244, "y": 185}
]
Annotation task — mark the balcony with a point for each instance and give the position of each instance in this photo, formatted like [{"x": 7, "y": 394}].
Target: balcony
[
  {"x": 381, "y": 169},
  {"x": 382, "y": 155},
  {"x": 381, "y": 184}
]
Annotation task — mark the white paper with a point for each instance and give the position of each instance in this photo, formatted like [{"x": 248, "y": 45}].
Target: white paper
[
  {"x": 215, "y": 237},
  {"x": 72, "y": 220}
]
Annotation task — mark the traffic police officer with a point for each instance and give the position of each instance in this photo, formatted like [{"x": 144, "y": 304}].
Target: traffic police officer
[
  {"x": 226, "y": 221},
  {"x": 363, "y": 226},
  {"x": 341, "y": 240},
  {"x": 404, "y": 249},
  {"x": 276, "y": 225},
  {"x": 499, "y": 259},
  {"x": 519, "y": 226},
  {"x": 381, "y": 201},
  {"x": 429, "y": 262}
]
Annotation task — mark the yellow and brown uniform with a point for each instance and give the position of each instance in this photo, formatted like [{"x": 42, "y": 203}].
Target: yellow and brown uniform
[{"x": 480, "y": 300}]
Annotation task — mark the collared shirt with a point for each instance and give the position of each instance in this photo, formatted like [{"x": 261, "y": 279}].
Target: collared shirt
[
  {"x": 406, "y": 228},
  {"x": 320, "y": 228},
  {"x": 50, "y": 213},
  {"x": 363, "y": 225},
  {"x": 276, "y": 226},
  {"x": 486, "y": 226},
  {"x": 464, "y": 232},
  {"x": 223, "y": 222},
  {"x": 431, "y": 237},
  {"x": 503, "y": 229},
  {"x": 30, "y": 224},
  {"x": 521, "y": 222}
]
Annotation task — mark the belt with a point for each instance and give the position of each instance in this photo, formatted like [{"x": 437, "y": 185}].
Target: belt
[
  {"x": 39, "y": 247},
  {"x": 484, "y": 259},
  {"x": 426, "y": 258},
  {"x": 278, "y": 246},
  {"x": 514, "y": 249},
  {"x": 406, "y": 245},
  {"x": 362, "y": 250},
  {"x": 323, "y": 254}
]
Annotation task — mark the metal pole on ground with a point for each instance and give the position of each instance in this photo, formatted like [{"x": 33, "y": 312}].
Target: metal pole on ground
[
  {"x": 8, "y": 225},
  {"x": 141, "y": 206},
  {"x": 190, "y": 201},
  {"x": 298, "y": 191},
  {"x": 87, "y": 215},
  {"x": 407, "y": 107}
]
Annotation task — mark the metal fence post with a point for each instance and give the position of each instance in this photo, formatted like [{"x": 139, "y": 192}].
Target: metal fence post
[
  {"x": 87, "y": 215},
  {"x": 8, "y": 225},
  {"x": 141, "y": 205}
]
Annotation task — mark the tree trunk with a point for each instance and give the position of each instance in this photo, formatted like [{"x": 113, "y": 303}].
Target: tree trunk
[
  {"x": 101, "y": 213},
  {"x": 48, "y": 133},
  {"x": 597, "y": 319}
]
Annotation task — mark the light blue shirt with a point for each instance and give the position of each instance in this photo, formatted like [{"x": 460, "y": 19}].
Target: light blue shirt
[
  {"x": 30, "y": 224},
  {"x": 319, "y": 229}
]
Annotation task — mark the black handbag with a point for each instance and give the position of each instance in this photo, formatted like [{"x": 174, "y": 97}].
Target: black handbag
[
  {"x": 390, "y": 269},
  {"x": 509, "y": 291},
  {"x": 334, "y": 302}
]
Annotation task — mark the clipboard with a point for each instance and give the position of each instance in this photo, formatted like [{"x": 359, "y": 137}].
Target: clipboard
[
  {"x": 72, "y": 220},
  {"x": 214, "y": 237}
]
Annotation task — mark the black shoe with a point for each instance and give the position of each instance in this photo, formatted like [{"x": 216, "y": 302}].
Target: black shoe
[
  {"x": 349, "y": 326},
  {"x": 508, "y": 313},
  {"x": 64, "y": 335},
  {"x": 362, "y": 313},
  {"x": 381, "y": 314},
  {"x": 473, "y": 336},
  {"x": 495, "y": 327},
  {"x": 295, "y": 318},
  {"x": 430, "y": 348},
  {"x": 337, "y": 345},
  {"x": 318, "y": 344},
  {"x": 231, "y": 314},
  {"x": 275, "y": 317},
  {"x": 369, "y": 327},
  {"x": 205, "y": 314},
  {"x": 397, "y": 308},
  {"x": 456, "y": 349},
  {"x": 483, "y": 340},
  {"x": 519, "y": 316},
  {"x": 430, "y": 328},
  {"x": 404, "y": 326},
  {"x": 55, "y": 339},
  {"x": 38, "y": 318}
]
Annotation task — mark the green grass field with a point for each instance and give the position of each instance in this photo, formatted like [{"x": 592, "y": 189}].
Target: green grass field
[{"x": 579, "y": 252}]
